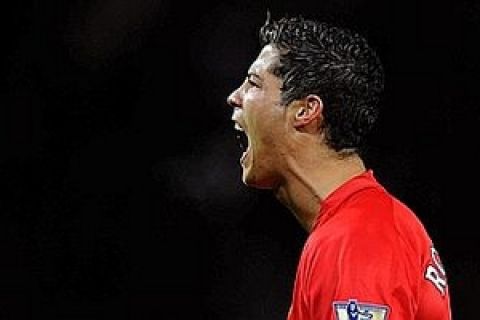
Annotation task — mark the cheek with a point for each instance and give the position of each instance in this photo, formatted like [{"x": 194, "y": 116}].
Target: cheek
[
  {"x": 263, "y": 117},
  {"x": 268, "y": 131}
]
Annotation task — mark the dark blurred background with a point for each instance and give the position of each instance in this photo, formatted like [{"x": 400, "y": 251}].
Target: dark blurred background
[{"x": 121, "y": 195}]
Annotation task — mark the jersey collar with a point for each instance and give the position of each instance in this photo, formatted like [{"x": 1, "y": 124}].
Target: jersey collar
[{"x": 329, "y": 205}]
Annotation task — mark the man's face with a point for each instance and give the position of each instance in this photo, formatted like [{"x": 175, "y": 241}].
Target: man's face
[{"x": 260, "y": 115}]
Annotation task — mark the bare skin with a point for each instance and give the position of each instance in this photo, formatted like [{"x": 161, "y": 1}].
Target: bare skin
[{"x": 287, "y": 151}]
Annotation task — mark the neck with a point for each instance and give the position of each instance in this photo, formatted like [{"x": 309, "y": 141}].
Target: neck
[{"x": 310, "y": 179}]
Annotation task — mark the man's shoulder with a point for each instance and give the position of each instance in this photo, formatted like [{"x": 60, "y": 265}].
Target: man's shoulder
[{"x": 371, "y": 219}]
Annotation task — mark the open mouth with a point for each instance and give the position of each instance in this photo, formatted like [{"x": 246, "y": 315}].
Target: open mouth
[
  {"x": 241, "y": 137},
  {"x": 242, "y": 140}
]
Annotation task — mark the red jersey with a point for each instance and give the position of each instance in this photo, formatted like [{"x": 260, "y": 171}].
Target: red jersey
[{"x": 368, "y": 257}]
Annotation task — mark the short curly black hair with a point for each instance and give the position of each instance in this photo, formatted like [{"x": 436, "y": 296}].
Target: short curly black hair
[{"x": 334, "y": 63}]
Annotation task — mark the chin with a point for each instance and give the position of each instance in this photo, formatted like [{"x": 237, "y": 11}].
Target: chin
[{"x": 256, "y": 180}]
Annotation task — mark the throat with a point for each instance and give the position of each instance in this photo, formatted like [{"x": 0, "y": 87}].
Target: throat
[
  {"x": 307, "y": 185},
  {"x": 301, "y": 201}
]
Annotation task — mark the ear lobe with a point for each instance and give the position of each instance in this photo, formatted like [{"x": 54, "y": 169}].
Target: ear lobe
[{"x": 310, "y": 110}]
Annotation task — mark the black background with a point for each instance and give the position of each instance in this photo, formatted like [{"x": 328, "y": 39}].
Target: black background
[{"x": 121, "y": 195}]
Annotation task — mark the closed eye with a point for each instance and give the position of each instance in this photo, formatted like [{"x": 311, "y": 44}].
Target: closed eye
[{"x": 251, "y": 81}]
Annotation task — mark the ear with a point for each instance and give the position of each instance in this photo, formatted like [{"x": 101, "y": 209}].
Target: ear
[{"x": 309, "y": 111}]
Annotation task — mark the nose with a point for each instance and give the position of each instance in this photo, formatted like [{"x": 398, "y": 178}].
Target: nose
[{"x": 234, "y": 100}]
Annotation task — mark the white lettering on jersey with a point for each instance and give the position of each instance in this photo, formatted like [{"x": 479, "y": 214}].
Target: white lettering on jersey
[{"x": 435, "y": 272}]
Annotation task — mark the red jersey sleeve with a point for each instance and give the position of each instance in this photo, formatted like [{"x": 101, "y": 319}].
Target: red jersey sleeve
[
  {"x": 360, "y": 272},
  {"x": 368, "y": 272}
]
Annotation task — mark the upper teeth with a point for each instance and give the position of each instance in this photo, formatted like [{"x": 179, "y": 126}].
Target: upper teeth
[{"x": 237, "y": 127}]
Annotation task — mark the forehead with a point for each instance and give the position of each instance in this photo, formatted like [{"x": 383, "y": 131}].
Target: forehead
[{"x": 266, "y": 59}]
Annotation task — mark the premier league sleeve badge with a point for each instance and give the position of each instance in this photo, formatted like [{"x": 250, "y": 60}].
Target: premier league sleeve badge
[{"x": 354, "y": 310}]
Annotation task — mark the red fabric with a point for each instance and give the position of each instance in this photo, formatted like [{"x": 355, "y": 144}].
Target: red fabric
[{"x": 368, "y": 246}]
